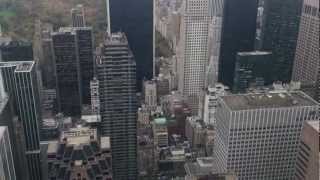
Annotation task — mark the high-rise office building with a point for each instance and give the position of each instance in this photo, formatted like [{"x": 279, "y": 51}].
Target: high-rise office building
[
  {"x": 307, "y": 167},
  {"x": 28, "y": 103},
  {"x": 238, "y": 34},
  {"x": 211, "y": 102},
  {"x": 7, "y": 170},
  {"x": 8, "y": 119},
  {"x": 258, "y": 135},
  {"x": 95, "y": 97},
  {"x": 280, "y": 33},
  {"x": 150, "y": 94},
  {"x": 215, "y": 30},
  {"x": 67, "y": 66},
  {"x": 252, "y": 69},
  {"x": 116, "y": 69},
  {"x": 78, "y": 18},
  {"x": 47, "y": 63},
  {"x": 20, "y": 79},
  {"x": 307, "y": 59},
  {"x": 193, "y": 54},
  {"x": 85, "y": 51}
]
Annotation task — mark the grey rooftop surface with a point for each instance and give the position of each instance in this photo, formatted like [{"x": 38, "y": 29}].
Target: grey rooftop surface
[
  {"x": 254, "y": 53},
  {"x": 314, "y": 124},
  {"x": 24, "y": 66},
  {"x": 2, "y": 130},
  {"x": 268, "y": 100}
]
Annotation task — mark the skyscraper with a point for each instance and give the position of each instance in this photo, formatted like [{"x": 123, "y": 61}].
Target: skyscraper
[
  {"x": 28, "y": 102},
  {"x": 8, "y": 119},
  {"x": 67, "y": 66},
  {"x": 193, "y": 54},
  {"x": 21, "y": 80},
  {"x": 252, "y": 70},
  {"x": 215, "y": 31},
  {"x": 7, "y": 170},
  {"x": 280, "y": 33},
  {"x": 116, "y": 70},
  {"x": 238, "y": 34},
  {"x": 307, "y": 60},
  {"x": 78, "y": 18},
  {"x": 150, "y": 94},
  {"x": 257, "y": 135},
  {"x": 85, "y": 51}
]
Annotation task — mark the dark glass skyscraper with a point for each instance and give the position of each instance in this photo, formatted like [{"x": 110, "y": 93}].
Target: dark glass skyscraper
[
  {"x": 85, "y": 52},
  {"x": 20, "y": 77},
  {"x": 68, "y": 78},
  {"x": 238, "y": 34},
  {"x": 252, "y": 70},
  {"x": 135, "y": 19},
  {"x": 280, "y": 32},
  {"x": 117, "y": 88}
]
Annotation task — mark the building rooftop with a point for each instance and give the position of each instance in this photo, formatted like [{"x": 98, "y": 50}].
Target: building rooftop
[
  {"x": 2, "y": 130},
  {"x": 52, "y": 147},
  {"x": 105, "y": 143},
  {"x": 203, "y": 166},
  {"x": 3, "y": 102},
  {"x": 14, "y": 63},
  {"x": 268, "y": 100},
  {"x": 117, "y": 38},
  {"x": 24, "y": 66},
  {"x": 160, "y": 121},
  {"x": 254, "y": 53},
  {"x": 314, "y": 124}
]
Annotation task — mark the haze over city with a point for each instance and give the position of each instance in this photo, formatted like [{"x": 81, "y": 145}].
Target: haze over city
[{"x": 159, "y": 90}]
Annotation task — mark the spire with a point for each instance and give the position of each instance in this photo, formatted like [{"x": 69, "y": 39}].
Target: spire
[{"x": 108, "y": 17}]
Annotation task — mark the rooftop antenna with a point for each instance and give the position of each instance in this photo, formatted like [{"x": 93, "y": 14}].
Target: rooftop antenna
[{"x": 108, "y": 18}]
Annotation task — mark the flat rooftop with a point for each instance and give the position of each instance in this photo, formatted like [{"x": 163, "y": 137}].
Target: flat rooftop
[
  {"x": 268, "y": 100},
  {"x": 2, "y": 130},
  {"x": 116, "y": 38},
  {"x": 314, "y": 124},
  {"x": 24, "y": 66},
  {"x": 3, "y": 102},
  {"x": 254, "y": 53}
]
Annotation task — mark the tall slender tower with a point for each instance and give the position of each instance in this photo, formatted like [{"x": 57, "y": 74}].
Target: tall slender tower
[
  {"x": 193, "y": 56},
  {"x": 7, "y": 171},
  {"x": 307, "y": 60},
  {"x": 280, "y": 33},
  {"x": 116, "y": 70},
  {"x": 84, "y": 40}
]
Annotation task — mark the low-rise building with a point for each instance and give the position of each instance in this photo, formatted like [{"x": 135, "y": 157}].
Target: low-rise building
[
  {"x": 195, "y": 131},
  {"x": 160, "y": 132},
  {"x": 79, "y": 154},
  {"x": 143, "y": 115},
  {"x": 202, "y": 170}
]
